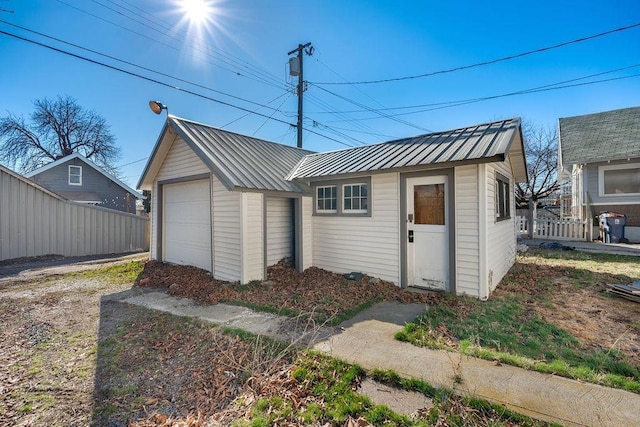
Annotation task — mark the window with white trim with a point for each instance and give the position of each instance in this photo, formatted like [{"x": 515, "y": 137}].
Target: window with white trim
[
  {"x": 503, "y": 198},
  {"x": 75, "y": 175},
  {"x": 343, "y": 197},
  {"x": 327, "y": 199},
  {"x": 619, "y": 180},
  {"x": 354, "y": 198}
]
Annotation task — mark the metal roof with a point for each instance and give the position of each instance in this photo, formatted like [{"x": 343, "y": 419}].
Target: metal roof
[
  {"x": 238, "y": 161},
  {"x": 481, "y": 143},
  {"x": 610, "y": 135}
]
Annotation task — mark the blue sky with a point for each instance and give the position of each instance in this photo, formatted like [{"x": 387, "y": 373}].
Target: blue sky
[{"x": 243, "y": 53}]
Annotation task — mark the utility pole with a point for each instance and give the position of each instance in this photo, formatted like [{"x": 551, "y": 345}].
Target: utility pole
[{"x": 308, "y": 49}]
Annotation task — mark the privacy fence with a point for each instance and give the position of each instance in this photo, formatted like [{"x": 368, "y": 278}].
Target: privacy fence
[{"x": 35, "y": 221}]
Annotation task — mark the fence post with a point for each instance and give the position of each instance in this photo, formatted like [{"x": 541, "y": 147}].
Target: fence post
[{"x": 530, "y": 220}]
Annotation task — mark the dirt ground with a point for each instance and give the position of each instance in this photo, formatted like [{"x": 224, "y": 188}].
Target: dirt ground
[
  {"x": 576, "y": 300},
  {"x": 72, "y": 354},
  {"x": 48, "y": 333}
]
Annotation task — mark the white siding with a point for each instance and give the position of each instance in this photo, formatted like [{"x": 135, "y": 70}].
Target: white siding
[
  {"x": 501, "y": 235},
  {"x": 367, "y": 244},
  {"x": 252, "y": 237},
  {"x": 307, "y": 228},
  {"x": 279, "y": 229},
  {"x": 467, "y": 232},
  {"x": 226, "y": 233},
  {"x": 180, "y": 162},
  {"x": 153, "y": 248}
]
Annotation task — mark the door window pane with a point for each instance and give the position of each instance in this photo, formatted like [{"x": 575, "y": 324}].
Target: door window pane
[{"x": 428, "y": 204}]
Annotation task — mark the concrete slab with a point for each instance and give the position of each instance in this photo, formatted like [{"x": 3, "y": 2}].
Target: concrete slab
[
  {"x": 399, "y": 401},
  {"x": 293, "y": 331},
  {"x": 391, "y": 312},
  {"x": 630, "y": 249},
  {"x": 541, "y": 396}
]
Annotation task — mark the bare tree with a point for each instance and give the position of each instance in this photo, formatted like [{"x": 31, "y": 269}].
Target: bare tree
[
  {"x": 57, "y": 128},
  {"x": 541, "y": 148}
]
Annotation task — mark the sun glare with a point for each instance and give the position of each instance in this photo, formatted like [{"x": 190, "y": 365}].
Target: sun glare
[
  {"x": 201, "y": 23},
  {"x": 197, "y": 11}
]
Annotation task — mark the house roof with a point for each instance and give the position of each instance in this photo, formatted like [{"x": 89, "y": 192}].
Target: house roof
[
  {"x": 31, "y": 183},
  {"x": 88, "y": 163},
  {"x": 482, "y": 143},
  {"x": 238, "y": 161},
  {"x": 610, "y": 135}
]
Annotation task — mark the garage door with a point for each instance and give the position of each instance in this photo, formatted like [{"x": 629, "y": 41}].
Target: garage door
[{"x": 186, "y": 228}]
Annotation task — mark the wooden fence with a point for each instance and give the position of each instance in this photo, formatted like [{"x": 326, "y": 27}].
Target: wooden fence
[
  {"x": 554, "y": 229},
  {"x": 35, "y": 221}
]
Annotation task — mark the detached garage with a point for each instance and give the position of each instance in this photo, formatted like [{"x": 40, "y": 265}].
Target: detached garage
[
  {"x": 432, "y": 211},
  {"x": 218, "y": 205}
]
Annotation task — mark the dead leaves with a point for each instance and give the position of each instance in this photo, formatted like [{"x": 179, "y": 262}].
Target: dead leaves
[{"x": 316, "y": 291}]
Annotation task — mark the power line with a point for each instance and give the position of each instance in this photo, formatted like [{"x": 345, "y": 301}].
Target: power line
[
  {"x": 137, "y": 66},
  {"x": 262, "y": 76},
  {"x": 271, "y": 116},
  {"x": 215, "y": 50},
  {"x": 161, "y": 83},
  {"x": 480, "y": 64},
  {"x": 215, "y": 64},
  {"x": 523, "y": 91},
  {"x": 385, "y": 115},
  {"x": 131, "y": 163},
  {"x": 247, "y": 114},
  {"x": 504, "y": 95},
  {"x": 149, "y": 79},
  {"x": 168, "y": 27}
]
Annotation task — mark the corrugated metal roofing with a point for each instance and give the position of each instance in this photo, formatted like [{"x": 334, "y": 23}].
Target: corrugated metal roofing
[
  {"x": 239, "y": 161},
  {"x": 486, "y": 141},
  {"x": 610, "y": 135}
]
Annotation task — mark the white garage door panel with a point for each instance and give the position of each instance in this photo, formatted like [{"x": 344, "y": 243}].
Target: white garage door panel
[{"x": 187, "y": 224}]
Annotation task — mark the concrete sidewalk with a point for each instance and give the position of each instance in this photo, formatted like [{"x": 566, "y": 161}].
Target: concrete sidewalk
[
  {"x": 368, "y": 340},
  {"x": 632, "y": 249}
]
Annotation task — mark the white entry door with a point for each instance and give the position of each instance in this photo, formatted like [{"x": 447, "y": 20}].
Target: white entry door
[{"x": 427, "y": 232}]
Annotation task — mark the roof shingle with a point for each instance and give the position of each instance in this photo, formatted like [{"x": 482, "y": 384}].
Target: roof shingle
[{"x": 610, "y": 135}]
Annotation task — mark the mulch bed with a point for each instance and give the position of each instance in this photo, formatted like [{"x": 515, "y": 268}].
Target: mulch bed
[{"x": 315, "y": 290}]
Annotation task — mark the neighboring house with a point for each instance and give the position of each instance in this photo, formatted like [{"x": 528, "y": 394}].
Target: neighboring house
[
  {"x": 599, "y": 165},
  {"x": 78, "y": 179},
  {"x": 433, "y": 211}
]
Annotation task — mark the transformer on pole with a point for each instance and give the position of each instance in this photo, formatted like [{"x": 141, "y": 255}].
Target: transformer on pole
[{"x": 296, "y": 70}]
